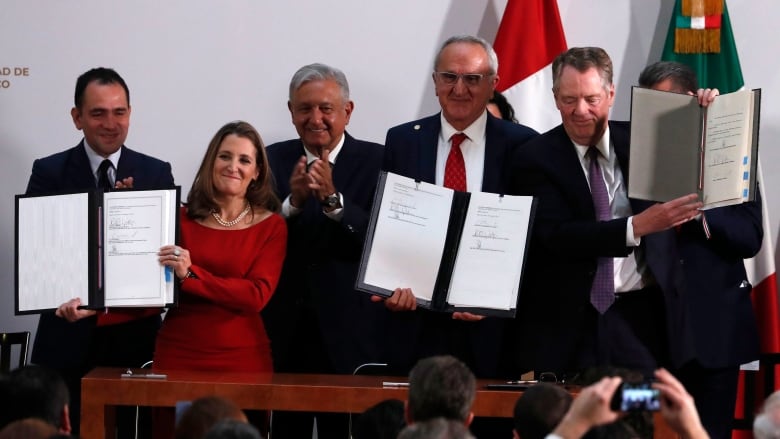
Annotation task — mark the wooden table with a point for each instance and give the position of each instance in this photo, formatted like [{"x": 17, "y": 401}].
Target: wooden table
[{"x": 103, "y": 389}]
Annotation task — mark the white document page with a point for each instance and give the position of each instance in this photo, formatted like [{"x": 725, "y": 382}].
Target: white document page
[
  {"x": 53, "y": 253},
  {"x": 490, "y": 256},
  {"x": 409, "y": 237},
  {"x": 725, "y": 155},
  {"x": 136, "y": 225}
]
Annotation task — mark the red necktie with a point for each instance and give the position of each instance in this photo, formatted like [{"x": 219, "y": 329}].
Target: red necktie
[{"x": 455, "y": 169}]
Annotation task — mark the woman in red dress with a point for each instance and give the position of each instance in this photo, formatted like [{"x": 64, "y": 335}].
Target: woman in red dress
[{"x": 231, "y": 254}]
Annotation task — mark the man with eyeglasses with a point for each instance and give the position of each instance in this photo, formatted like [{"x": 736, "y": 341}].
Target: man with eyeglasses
[{"x": 465, "y": 148}]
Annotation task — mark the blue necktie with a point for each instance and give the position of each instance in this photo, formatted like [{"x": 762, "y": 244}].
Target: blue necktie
[{"x": 602, "y": 292}]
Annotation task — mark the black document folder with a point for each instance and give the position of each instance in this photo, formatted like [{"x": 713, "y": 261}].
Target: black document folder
[
  {"x": 457, "y": 251},
  {"x": 100, "y": 247}
]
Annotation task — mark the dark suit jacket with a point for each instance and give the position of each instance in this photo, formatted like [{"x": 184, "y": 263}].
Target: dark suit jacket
[
  {"x": 410, "y": 150},
  {"x": 322, "y": 262},
  {"x": 59, "y": 344},
  {"x": 700, "y": 278}
]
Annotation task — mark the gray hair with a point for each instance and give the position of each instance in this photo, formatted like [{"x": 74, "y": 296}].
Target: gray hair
[
  {"x": 470, "y": 39},
  {"x": 319, "y": 72},
  {"x": 582, "y": 59},
  {"x": 441, "y": 386},
  {"x": 767, "y": 423}
]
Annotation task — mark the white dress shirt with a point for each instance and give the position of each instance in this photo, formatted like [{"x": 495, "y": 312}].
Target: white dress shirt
[
  {"x": 96, "y": 159},
  {"x": 289, "y": 210},
  {"x": 629, "y": 272},
  {"x": 473, "y": 149}
]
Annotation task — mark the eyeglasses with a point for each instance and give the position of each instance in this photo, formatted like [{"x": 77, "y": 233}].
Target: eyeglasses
[{"x": 470, "y": 79}]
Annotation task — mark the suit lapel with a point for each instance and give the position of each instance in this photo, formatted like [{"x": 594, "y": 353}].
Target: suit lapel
[
  {"x": 495, "y": 152},
  {"x": 78, "y": 170},
  {"x": 569, "y": 165},
  {"x": 127, "y": 164},
  {"x": 347, "y": 163},
  {"x": 428, "y": 145}
]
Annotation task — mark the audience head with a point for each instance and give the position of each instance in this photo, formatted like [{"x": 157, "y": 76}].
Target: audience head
[
  {"x": 203, "y": 414},
  {"x": 319, "y": 106},
  {"x": 234, "y": 138},
  {"x": 441, "y": 386},
  {"x": 499, "y": 107},
  {"x": 102, "y": 109},
  {"x": 464, "y": 76},
  {"x": 381, "y": 421},
  {"x": 767, "y": 422},
  {"x": 29, "y": 428},
  {"x": 669, "y": 76},
  {"x": 584, "y": 92},
  {"x": 36, "y": 392},
  {"x": 232, "y": 429},
  {"x": 436, "y": 428},
  {"x": 539, "y": 409}
]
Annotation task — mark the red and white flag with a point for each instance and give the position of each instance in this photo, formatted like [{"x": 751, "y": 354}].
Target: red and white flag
[
  {"x": 761, "y": 274},
  {"x": 529, "y": 38}
]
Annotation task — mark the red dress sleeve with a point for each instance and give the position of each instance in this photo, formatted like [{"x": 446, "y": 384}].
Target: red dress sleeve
[{"x": 264, "y": 255}]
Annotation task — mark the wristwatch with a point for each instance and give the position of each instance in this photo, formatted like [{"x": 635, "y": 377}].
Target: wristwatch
[{"x": 332, "y": 201}]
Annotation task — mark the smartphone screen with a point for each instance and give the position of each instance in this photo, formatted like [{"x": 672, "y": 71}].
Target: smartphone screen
[{"x": 636, "y": 396}]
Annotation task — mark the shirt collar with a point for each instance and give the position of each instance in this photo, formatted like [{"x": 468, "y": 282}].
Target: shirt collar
[
  {"x": 475, "y": 131},
  {"x": 96, "y": 159},
  {"x": 602, "y": 145},
  {"x": 333, "y": 153}
]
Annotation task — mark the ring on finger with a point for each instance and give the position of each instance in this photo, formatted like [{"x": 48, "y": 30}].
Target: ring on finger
[{"x": 176, "y": 251}]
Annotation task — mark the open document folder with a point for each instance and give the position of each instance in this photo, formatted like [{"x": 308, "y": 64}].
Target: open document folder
[
  {"x": 101, "y": 247},
  {"x": 679, "y": 147},
  {"x": 457, "y": 251}
]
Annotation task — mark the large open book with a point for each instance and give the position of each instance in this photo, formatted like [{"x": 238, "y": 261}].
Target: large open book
[
  {"x": 100, "y": 247},
  {"x": 457, "y": 251},
  {"x": 678, "y": 147}
]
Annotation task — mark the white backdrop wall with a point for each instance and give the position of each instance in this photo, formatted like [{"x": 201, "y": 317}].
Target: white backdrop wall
[{"x": 193, "y": 65}]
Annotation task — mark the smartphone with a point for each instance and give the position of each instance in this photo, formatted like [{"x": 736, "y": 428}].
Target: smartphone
[{"x": 636, "y": 397}]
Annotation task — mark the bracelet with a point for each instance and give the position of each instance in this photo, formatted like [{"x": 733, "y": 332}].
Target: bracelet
[{"x": 189, "y": 274}]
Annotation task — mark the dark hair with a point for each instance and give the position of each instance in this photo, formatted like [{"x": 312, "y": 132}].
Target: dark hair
[
  {"x": 232, "y": 429},
  {"x": 441, "y": 386},
  {"x": 582, "y": 59},
  {"x": 381, "y": 421},
  {"x": 683, "y": 77},
  {"x": 29, "y": 428},
  {"x": 202, "y": 198},
  {"x": 539, "y": 410},
  {"x": 504, "y": 107},
  {"x": 203, "y": 414},
  {"x": 102, "y": 76},
  {"x": 436, "y": 428},
  {"x": 36, "y": 392}
]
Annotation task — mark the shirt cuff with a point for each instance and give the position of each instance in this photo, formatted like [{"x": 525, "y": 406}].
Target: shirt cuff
[
  {"x": 630, "y": 240},
  {"x": 288, "y": 209}
]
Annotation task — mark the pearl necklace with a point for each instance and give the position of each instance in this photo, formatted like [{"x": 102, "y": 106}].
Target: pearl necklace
[{"x": 232, "y": 223}]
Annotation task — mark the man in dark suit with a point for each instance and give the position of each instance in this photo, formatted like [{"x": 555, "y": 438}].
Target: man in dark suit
[
  {"x": 650, "y": 265},
  {"x": 316, "y": 320},
  {"x": 73, "y": 341},
  {"x": 464, "y": 78},
  {"x": 718, "y": 309}
]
